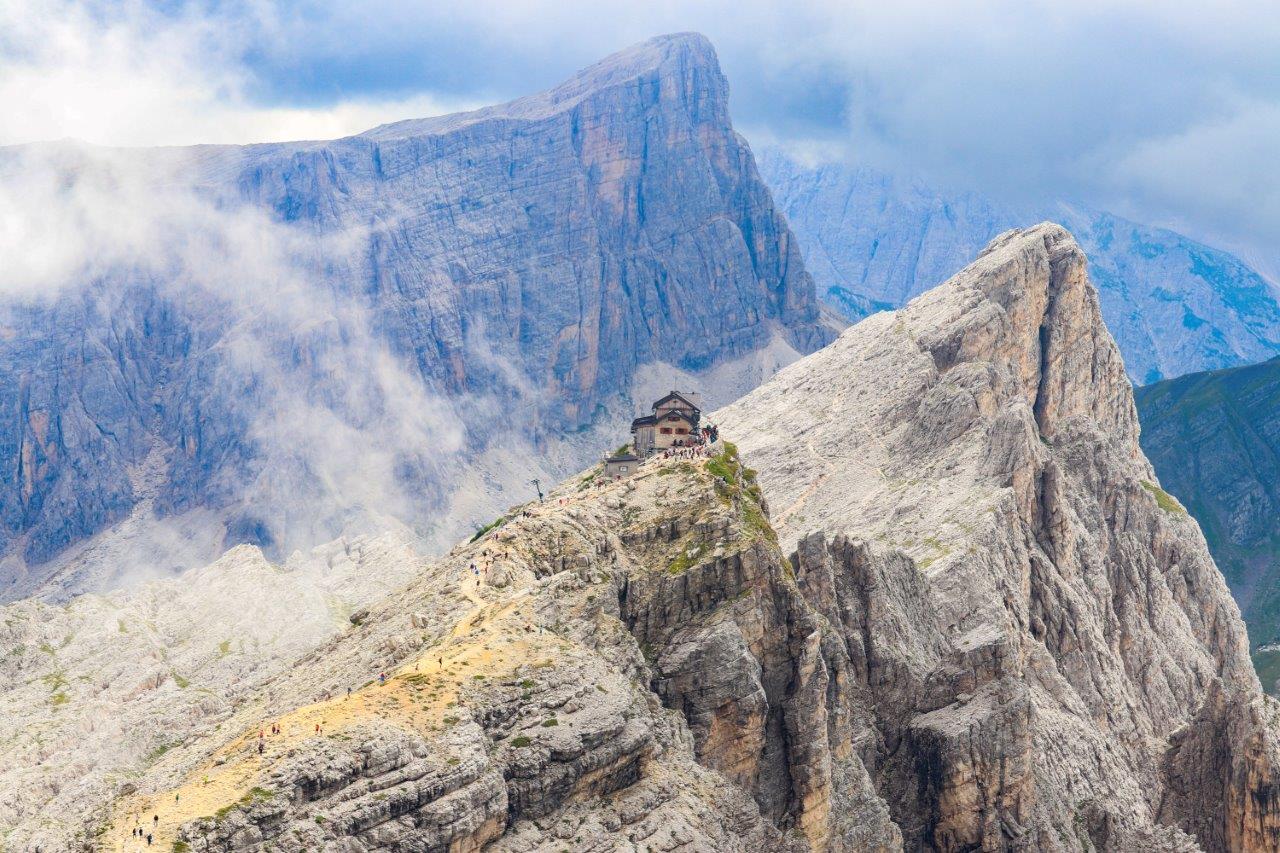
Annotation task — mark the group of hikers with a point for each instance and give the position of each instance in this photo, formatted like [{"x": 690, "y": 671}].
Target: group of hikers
[
  {"x": 692, "y": 452},
  {"x": 140, "y": 833},
  {"x": 488, "y": 558},
  {"x": 700, "y": 444}
]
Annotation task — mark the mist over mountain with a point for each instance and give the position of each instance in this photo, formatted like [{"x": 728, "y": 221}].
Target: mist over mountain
[
  {"x": 277, "y": 570},
  {"x": 278, "y": 343},
  {"x": 936, "y": 600},
  {"x": 873, "y": 240}
]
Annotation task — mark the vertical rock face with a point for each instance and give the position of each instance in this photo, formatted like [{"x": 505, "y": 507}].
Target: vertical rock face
[
  {"x": 1065, "y": 658},
  {"x": 525, "y": 258},
  {"x": 612, "y": 221},
  {"x": 993, "y": 632}
]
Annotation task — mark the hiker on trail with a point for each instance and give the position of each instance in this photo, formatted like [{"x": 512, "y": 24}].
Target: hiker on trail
[
  {"x": 348, "y": 692},
  {"x": 440, "y": 662},
  {"x": 148, "y": 839},
  {"x": 155, "y": 818},
  {"x": 382, "y": 678},
  {"x": 317, "y": 728},
  {"x": 261, "y": 747}
]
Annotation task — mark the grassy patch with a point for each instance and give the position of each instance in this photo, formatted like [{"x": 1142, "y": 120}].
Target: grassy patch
[
  {"x": 939, "y": 551},
  {"x": 1164, "y": 500},
  {"x": 549, "y": 722},
  {"x": 256, "y": 793},
  {"x": 493, "y": 525},
  {"x": 686, "y": 559},
  {"x": 224, "y": 648},
  {"x": 59, "y": 698},
  {"x": 520, "y": 741},
  {"x": 756, "y": 523},
  {"x": 182, "y": 683}
]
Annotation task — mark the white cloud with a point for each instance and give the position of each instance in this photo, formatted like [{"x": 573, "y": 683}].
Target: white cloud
[
  {"x": 1223, "y": 168},
  {"x": 124, "y": 74},
  {"x": 1168, "y": 109},
  {"x": 332, "y": 414}
]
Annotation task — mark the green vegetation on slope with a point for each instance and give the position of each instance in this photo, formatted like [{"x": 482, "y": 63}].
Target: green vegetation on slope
[
  {"x": 1164, "y": 500},
  {"x": 1214, "y": 440}
]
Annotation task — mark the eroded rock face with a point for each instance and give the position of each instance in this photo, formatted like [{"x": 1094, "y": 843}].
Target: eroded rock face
[
  {"x": 1071, "y": 644},
  {"x": 528, "y": 257},
  {"x": 992, "y": 632}
]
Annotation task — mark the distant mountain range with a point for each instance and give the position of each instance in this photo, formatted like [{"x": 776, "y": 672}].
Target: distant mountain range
[
  {"x": 264, "y": 342},
  {"x": 1214, "y": 439},
  {"x": 873, "y": 240}
]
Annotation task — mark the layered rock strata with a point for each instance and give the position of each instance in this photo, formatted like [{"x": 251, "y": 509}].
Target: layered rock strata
[
  {"x": 966, "y": 618},
  {"x": 1063, "y": 657},
  {"x": 434, "y": 276}
]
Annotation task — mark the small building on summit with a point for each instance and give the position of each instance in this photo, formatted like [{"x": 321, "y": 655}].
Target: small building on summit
[
  {"x": 674, "y": 423},
  {"x": 621, "y": 465}
]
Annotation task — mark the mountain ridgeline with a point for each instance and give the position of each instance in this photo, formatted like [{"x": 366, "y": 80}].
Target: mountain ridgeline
[
  {"x": 469, "y": 293},
  {"x": 934, "y": 600},
  {"x": 926, "y": 593},
  {"x": 873, "y": 240}
]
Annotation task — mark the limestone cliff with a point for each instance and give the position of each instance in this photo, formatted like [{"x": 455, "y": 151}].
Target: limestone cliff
[
  {"x": 951, "y": 610},
  {"x": 1063, "y": 662},
  {"x": 527, "y": 258}
]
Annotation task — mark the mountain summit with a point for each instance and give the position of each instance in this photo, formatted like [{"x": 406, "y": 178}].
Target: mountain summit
[
  {"x": 950, "y": 608},
  {"x": 873, "y": 240},
  {"x": 1050, "y": 656},
  {"x": 274, "y": 344}
]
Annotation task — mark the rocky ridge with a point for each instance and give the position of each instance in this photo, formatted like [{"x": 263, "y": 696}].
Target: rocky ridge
[
  {"x": 97, "y": 689},
  {"x": 1063, "y": 655},
  {"x": 965, "y": 617}
]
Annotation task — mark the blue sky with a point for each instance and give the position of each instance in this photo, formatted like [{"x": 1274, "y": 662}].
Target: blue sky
[{"x": 1168, "y": 112}]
